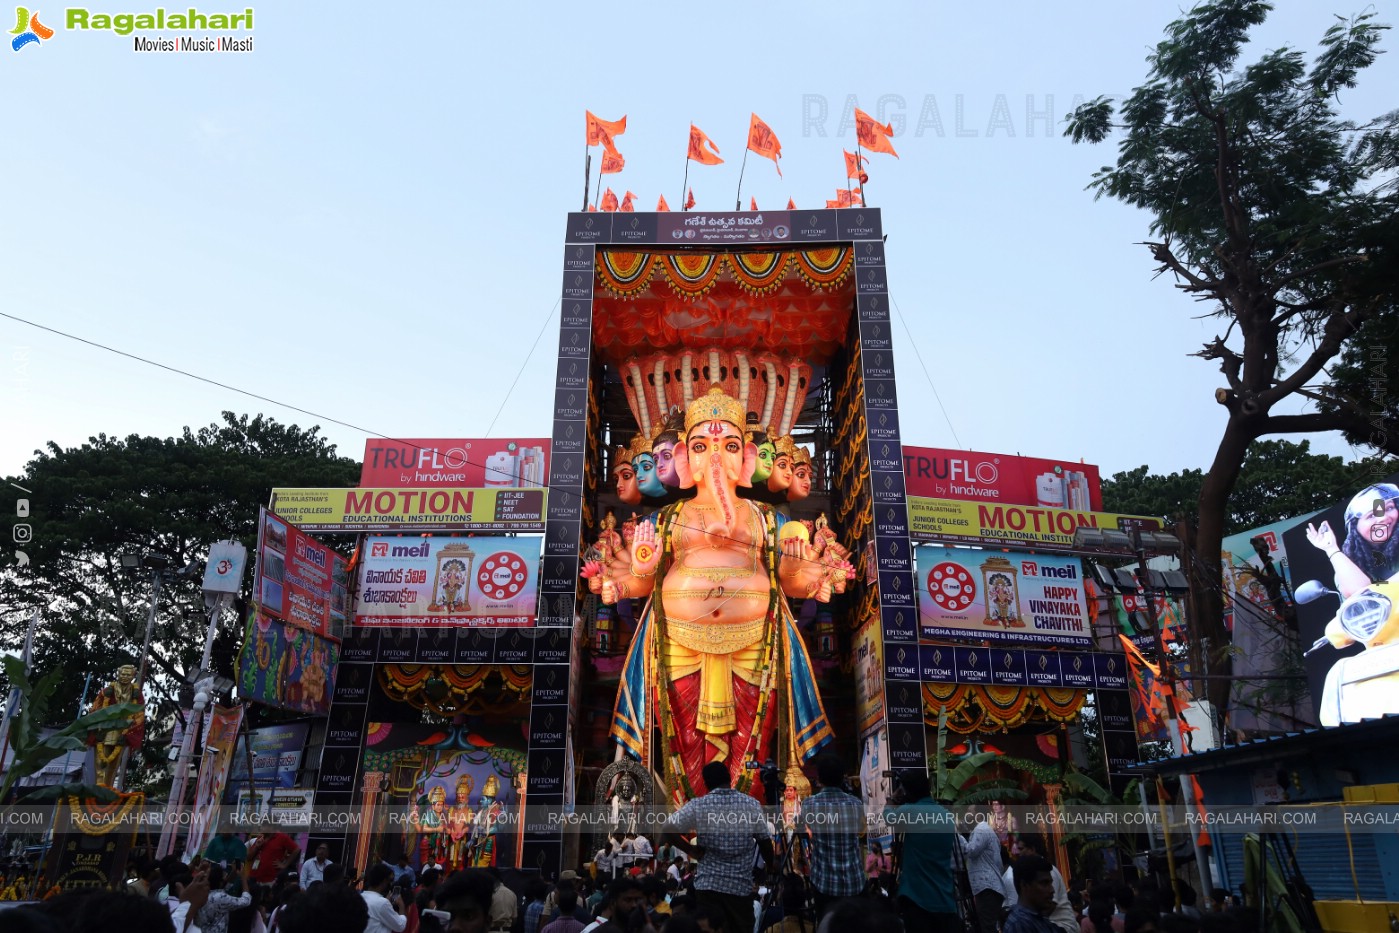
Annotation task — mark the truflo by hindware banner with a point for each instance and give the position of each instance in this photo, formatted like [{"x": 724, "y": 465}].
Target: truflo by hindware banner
[
  {"x": 417, "y": 582},
  {"x": 935, "y": 473},
  {"x": 999, "y": 596}
]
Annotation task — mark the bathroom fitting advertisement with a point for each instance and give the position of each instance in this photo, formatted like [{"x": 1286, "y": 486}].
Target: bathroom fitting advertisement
[
  {"x": 441, "y": 582},
  {"x": 455, "y": 462},
  {"x": 1001, "y": 596},
  {"x": 936, "y": 473}
]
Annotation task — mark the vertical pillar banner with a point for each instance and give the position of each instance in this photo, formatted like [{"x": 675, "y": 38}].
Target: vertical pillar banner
[
  {"x": 547, "y": 757},
  {"x": 893, "y": 551}
]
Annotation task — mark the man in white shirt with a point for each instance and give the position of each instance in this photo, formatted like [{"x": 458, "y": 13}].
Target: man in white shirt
[
  {"x": 313, "y": 869},
  {"x": 983, "y": 853},
  {"x": 385, "y": 915},
  {"x": 1062, "y": 917},
  {"x": 673, "y": 871},
  {"x": 642, "y": 852}
]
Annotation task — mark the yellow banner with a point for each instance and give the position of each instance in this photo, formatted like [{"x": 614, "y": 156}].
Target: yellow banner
[
  {"x": 1024, "y": 526},
  {"x": 429, "y": 509}
]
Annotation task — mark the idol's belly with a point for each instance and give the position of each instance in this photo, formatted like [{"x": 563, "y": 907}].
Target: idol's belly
[{"x": 717, "y": 598}]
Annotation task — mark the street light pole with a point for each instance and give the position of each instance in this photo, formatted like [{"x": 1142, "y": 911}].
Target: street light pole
[{"x": 156, "y": 575}]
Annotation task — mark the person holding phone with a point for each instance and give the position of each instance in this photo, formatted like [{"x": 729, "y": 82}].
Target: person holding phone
[{"x": 386, "y": 913}]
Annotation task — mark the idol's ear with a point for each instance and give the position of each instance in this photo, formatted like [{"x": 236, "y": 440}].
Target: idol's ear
[
  {"x": 750, "y": 463},
  {"x": 682, "y": 466}
]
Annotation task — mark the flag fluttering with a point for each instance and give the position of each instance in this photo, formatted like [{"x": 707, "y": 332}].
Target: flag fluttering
[
  {"x": 752, "y": 203},
  {"x": 701, "y": 146},
  {"x": 846, "y": 198},
  {"x": 763, "y": 141},
  {"x": 791, "y": 205},
  {"x": 612, "y": 162},
  {"x": 874, "y": 136},
  {"x": 627, "y": 200},
  {"x": 601, "y": 132},
  {"x": 854, "y": 167},
  {"x": 690, "y": 200},
  {"x": 609, "y": 200},
  {"x": 661, "y": 205}
]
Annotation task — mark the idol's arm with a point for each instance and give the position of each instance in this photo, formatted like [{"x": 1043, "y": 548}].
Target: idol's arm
[{"x": 800, "y": 574}]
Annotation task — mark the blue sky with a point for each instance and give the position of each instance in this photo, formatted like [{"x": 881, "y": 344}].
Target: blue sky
[{"x": 364, "y": 216}]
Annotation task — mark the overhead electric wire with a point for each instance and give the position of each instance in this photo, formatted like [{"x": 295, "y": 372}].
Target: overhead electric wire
[
  {"x": 305, "y": 411},
  {"x": 516, "y": 380},
  {"x": 926, "y": 375}
]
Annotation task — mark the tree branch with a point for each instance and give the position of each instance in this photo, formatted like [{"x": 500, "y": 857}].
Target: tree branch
[
  {"x": 1230, "y": 362},
  {"x": 1161, "y": 252},
  {"x": 1312, "y": 270},
  {"x": 1338, "y": 328}
]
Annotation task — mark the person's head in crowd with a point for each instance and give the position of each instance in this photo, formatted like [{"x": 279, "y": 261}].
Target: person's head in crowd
[
  {"x": 705, "y": 919},
  {"x": 1100, "y": 910},
  {"x": 378, "y": 878},
  {"x": 1187, "y": 895},
  {"x": 537, "y": 890},
  {"x": 466, "y": 895},
  {"x": 915, "y": 785},
  {"x": 324, "y": 907},
  {"x": 32, "y": 919},
  {"x": 675, "y": 923},
  {"x": 1124, "y": 897},
  {"x": 334, "y": 873},
  {"x": 1034, "y": 882},
  {"x": 1178, "y": 923},
  {"x": 860, "y": 915},
  {"x": 682, "y": 904},
  {"x": 1140, "y": 920},
  {"x": 715, "y": 775},
  {"x": 830, "y": 771}
]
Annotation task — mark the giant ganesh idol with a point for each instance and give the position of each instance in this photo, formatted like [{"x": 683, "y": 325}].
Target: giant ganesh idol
[{"x": 717, "y": 662}]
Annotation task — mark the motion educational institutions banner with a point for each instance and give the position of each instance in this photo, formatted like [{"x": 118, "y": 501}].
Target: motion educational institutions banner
[
  {"x": 438, "y": 582},
  {"x": 445, "y": 463},
  {"x": 961, "y": 522},
  {"x": 999, "y": 596},
  {"x": 409, "y": 509},
  {"x": 299, "y": 580},
  {"x": 935, "y": 473}
]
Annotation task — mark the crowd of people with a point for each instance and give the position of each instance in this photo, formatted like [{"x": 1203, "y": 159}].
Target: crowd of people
[{"x": 725, "y": 868}]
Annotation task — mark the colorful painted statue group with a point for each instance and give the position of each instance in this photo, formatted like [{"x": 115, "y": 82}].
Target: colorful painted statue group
[
  {"x": 457, "y": 836},
  {"x": 717, "y": 662}
]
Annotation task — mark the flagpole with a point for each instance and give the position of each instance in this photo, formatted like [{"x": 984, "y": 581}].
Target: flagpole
[
  {"x": 738, "y": 197},
  {"x": 859, "y": 167},
  {"x": 587, "y": 174},
  {"x": 684, "y": 206}
]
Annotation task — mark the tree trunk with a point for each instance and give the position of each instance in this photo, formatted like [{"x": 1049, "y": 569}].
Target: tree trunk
[{"x": 1207, "y": 585}]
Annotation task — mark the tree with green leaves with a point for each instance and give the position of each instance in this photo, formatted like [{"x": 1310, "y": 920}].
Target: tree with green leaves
[
  {"x": 1279, "y": 215},
  {"x": 1278, "y": 480},
  {"x": 168, "y": 498}
]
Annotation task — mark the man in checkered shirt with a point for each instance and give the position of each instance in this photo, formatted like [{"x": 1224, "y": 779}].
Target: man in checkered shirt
[
  {"x": 727, "y": 825},
  {"x": 835, "y": 821}
]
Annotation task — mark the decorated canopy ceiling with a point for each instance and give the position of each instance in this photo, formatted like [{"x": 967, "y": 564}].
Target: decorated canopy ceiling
[{"x": 794, "y": 302}]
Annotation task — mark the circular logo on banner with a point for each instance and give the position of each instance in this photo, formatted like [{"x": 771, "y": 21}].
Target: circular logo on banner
[
  {"x": 502, "y": 575},
  {"x": 951, "y": 586}
]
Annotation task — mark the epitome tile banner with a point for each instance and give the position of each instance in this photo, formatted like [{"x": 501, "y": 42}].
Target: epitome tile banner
[
  {"x": 299, "y": 580},
  {"x": 434, "y": 582},
  {"x": 1000, "y": 596}
]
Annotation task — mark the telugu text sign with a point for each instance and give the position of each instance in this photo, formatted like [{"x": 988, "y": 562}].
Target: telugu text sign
[
  {"x": 464, "y": 462},
  {"x": 413, "y": 509},
  {"x": 962, "y": 522},
  {"x": 435, "y": 582},
  {"x": 936, "y": 473},
  {"x": 999, "y": 596}
]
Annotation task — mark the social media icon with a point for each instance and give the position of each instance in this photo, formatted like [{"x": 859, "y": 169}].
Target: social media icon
[
  {"x": 23, "y": 533},
  {"x": 22, "y": 508},
  {"x": 22, "y": 558}
]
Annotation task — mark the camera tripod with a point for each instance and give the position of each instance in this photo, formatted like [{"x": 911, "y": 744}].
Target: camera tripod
[{"x": 962, "y": 887}]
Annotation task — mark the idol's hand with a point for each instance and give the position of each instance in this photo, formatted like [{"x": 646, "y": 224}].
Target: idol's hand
[
  {"x": 645, "y": 553},
  {"x": 799, "y": 571},
  {"x": 592, "y": 572},
  {"x": 608, "y": 591}
]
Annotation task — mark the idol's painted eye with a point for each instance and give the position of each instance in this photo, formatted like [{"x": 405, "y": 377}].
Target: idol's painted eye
[{"x": 732, "y": 447}]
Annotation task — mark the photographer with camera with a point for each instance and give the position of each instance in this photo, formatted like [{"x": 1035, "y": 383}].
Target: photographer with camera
[
  {"x": 835, "y": 821},
  {"x": 924, "y": 834},
  {"x": 728, "y": 825}
]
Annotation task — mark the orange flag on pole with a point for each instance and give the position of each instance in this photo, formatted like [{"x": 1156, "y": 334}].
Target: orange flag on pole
[
  {"x": 690, "y": 201},
  {"x": 612, "y": 162},
  {"x": 700, "y": 146},
  {"x": 609, "y": 200},
  {"x": 661, "y": 205},
  {"x": 791, "y": 205},
  {"x": 854, "y": 167},
  {"x": 600, "y": 132},
  {"x": 846, "y": 198},
  {"x": 626, "y": 202},
  {"x": 874, "y": 136},
  {"x": 752, "y": 203},
  {"x": 763, "y": 141}
]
